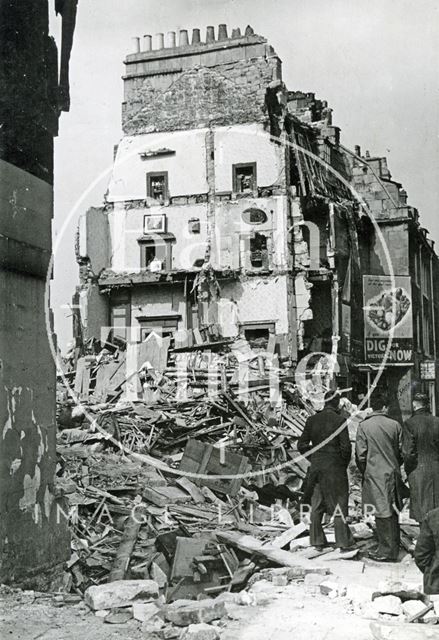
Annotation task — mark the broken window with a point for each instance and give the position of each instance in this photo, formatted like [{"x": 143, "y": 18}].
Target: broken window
[
  {"x": 257, "y": 335},
  {"x": 157, "y": 186},
  {"x": 120, "y": 321},
  {"x": 156, "y": 255},
  {"x": 259, "y": 251},
  {"x": 244, "y": 178},
  {"x": 164, "y": 326}
]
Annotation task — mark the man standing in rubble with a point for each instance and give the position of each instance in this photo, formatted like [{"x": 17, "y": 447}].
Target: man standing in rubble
[
  {"x": 327, "y": 433},
  {"x": 421, "y": 458},
  {"x": 378, "y": 452}
]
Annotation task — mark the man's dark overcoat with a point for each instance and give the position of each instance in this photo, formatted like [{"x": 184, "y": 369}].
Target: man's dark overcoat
[{"x": 421, "y": 461}]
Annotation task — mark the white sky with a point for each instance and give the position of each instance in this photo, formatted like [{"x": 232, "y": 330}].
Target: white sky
[{"x": 376, "y": 62}]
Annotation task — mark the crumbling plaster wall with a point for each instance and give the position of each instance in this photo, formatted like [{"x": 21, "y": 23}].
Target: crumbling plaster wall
[
  {"x": 393, "y": 244},
  {"x": 186, "y": 167},
  {"x": 94, "y": 239},
  {"x": 230, "y": 248},
  {"x": 246, "y": 143},
  {"x": 165, "y": 300},
  {"x": 94, "y": 311},
  {"x": 127, "y": 225},
  {"x": 254, "y": 299}
]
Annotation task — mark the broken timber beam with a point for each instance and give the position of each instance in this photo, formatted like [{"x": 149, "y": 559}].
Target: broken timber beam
[
  {"x": 255, "y": 547},
  {"x": 126, "y": 547}
]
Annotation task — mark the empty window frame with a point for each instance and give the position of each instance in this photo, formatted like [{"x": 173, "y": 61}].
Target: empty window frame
[
  {"x": 156, "y": 250},
  {"x": 157, "y": 186},
  {"x": 244, "y": 177},
  {"x": 259, "y": 251},
  {"x": 258, "y": 334}
]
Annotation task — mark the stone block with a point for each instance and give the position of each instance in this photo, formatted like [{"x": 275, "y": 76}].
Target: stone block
[
  {"x": 388, "y": 604},
  {"x": 183, "y": 612},
  {"x": 332, "y": 589},
  {"x": 200, "y": 631},
  {"x": 412, "y": 607},
  {"x": 152, "y": 626},
  {"x": 120, "y": 593},
  {"x": 280, "y": 580},
  {"x": 312, "y": 582},
  {"x": 143, "y": 611},
  {"x": 262, "y": 586}
]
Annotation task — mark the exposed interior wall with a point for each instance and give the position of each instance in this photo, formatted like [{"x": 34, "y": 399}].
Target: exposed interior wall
[
  {"x": 94, "y": 311},
  {"x": 94, "y": 239},
  {"x": 246, "y": 143},
  {"x": 245, "y": 301},
  {"x": 231, "y": 237},
  {"x": 166, "y": 300},
  {"x": 186, "y": 167},
  {"x": 127, "y": 226}
]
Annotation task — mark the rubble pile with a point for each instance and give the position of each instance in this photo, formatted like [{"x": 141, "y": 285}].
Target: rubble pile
[
  {"x": 182, "y": 490},
  {"x": 151, "y": 477}
]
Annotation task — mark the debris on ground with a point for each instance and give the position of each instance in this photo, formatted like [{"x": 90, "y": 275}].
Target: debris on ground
[{"x": 184, "y": 488}]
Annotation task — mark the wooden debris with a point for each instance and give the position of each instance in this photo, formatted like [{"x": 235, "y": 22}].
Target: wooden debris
[{"x": 123, "y": 555}]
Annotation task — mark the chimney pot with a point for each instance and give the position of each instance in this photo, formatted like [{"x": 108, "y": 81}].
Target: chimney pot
[
  {"x": 357, "y": 150},
  {"x": 236, "y": 33},
  {"x": 170, "y": 37},
  {"x": 159, "y": 41},
  {"x": 147, "y": 43},
  {"x": 367, "y": 154},
  {"x": 210, "y": 34},
  {"x": 183, "y": 39},
  {"x": 249, "y": 31},
  {"x": 222, "y": 32},
  {"x": 136, "y": 45},
  {"x": 196, "y": 36}
]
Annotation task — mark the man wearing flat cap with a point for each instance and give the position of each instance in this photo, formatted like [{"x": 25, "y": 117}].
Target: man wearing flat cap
[{"x": 421, "y": 458}]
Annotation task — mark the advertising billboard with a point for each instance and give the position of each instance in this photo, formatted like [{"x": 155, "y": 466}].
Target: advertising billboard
[{"x": 388, "y": 313}]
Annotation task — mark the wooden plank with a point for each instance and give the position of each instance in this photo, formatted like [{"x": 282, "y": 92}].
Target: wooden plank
[
  {"x": 80, "y": 367},
  {"x": 126, "y": 547},
  {"x": 191, "y": 489},
  {"x": 287, "y": 536},
  {"x": 162, "y": 496},
  {"x": 84, "y": 395},
  {"x": 254, "y": 546},
  {"x": 186, "y": 550},
  {"x": 203, "y": 459}
]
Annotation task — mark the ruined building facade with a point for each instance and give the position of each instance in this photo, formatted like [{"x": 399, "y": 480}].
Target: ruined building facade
[{"x": 231, "y": 211}]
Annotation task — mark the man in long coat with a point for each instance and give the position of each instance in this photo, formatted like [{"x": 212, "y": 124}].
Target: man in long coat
[
  {"x": 421, "y": 458},
  {"x": 427, "y": 552},
  {"x": 327, "y": 432},
  {"x": 378, "y": 452}
]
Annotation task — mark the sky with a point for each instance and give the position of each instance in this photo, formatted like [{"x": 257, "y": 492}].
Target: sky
[{"x": 375, "y": 62}]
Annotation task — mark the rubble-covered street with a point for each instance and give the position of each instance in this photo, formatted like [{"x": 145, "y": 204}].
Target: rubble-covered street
[
  {"x": 163, "y": 548},
  {"x": 275, "y": 606}
]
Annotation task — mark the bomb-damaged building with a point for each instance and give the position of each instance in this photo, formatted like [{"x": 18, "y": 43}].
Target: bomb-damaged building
[{"x": 234, "y": 214}]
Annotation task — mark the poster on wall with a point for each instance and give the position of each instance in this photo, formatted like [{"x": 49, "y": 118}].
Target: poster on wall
[{"x": 388, "y": 308}]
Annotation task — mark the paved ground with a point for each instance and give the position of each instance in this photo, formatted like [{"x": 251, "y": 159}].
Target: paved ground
[{"x": 292, "y": 612}]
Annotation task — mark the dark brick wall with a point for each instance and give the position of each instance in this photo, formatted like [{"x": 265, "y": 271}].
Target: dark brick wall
[
  {"x": 221, "y": 87},
  {"x": 29, "y": 86}
]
